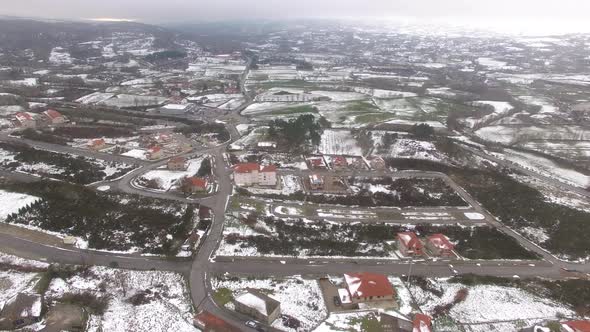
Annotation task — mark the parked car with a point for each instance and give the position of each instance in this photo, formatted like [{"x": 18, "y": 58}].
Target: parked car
[
  {"x": 337, "y": 301},
  {"x": 255, "y": 325}
]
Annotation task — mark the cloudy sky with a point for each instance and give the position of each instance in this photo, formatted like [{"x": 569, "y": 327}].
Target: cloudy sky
[{"x": 543, "y": 12}]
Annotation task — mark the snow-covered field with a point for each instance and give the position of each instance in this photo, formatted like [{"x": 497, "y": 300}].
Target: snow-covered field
[
  {"x": 12, "y": 202},
  {"x": 14, "y": 282},
  {"x": 339, "y": 142},
  {"x": 168, "y": 307},
  {"x": 490, "y": 303},
  {"x": 300, "y": 298},
  {"x": 546, "y": 167}
]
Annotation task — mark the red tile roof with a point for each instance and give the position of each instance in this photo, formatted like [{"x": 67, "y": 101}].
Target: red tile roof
[
  {"x": 155, "y": 149},
  {"x": 177, "y": 160},
  {"x": 246, "y": 167},
  {"x": 440, "y": 241},
  {"x": 22, "y": 116},
  {"x": 316, "y": 162},
  {"x": 212, "y": 323},
  {"x": 366, "y": 284},
  {"x": 339, "y": 161},
  {"x": 578, "y": 325},
  {"x": 97, "y": 142},
  {"x": 410, "y": 240},
  {"x": 268, "y": 168},
  {"x": 53, "y": 114},
  {"x": 198, "y": 182},
  {"x": 422, "y": 323}
]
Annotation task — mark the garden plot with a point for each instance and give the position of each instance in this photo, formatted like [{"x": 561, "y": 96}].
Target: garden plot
[
  {"x": 300, "y": 298},
  {"x": 170, "y": 179},
  {"x": 413, "y": 149},
  {"x": 488, "y": 303},
  {"x": 339, "y": 142},
  {"x": 131, "y": 300}
]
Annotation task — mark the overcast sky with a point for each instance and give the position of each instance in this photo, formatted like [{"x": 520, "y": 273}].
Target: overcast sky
[{"x": 548, "y": 12}]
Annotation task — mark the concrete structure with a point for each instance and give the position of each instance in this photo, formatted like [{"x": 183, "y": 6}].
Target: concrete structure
[
  {"x": 439, "y": 245},
  {"x": 21, "y": 310},
  {"x": 249, "y": 174},
  {"x": 258, "y": 306},
  {"x": 177, "y": 164},
  {"x": 409, "y": 244},
  {"x": 366, "y": 287},
  {"x": 176, "y": 109},
  {"x": 394, "y": 322}
]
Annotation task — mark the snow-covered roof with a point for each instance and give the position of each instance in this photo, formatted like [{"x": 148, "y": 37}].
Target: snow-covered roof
[
  {"x": 260, "y": 302},
  {"x": 409, "y": 240}
]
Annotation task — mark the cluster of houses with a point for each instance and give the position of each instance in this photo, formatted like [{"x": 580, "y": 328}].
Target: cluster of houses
[
  {"x": 254, "y": 174},
  {"x": 438, "y": 245},
  {"x": 34, "y": 120},
  {"x": 157, "y": 146}
]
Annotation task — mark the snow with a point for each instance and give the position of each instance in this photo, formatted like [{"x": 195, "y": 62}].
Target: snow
[
  {"x": 103, "y": 188},
  {"x": 474, "y": 216},
  {"x": 297, "y": 296},
  {"x": 12, "y": 202},
  {"x": 170, "y": 310},
  {"x": 489, "y": 303},
  {"x": 136, "y": 153},
  {"x": 168, "y": 179},
  {"x": 59, "y": 56},
  {"x": 339, "y": 142}
]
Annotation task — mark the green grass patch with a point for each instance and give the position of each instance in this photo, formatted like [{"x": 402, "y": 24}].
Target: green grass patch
[
  {"x": 294, "y": 110},
  {"x": 373, "y": 117},
  {"x": 222, "y": 296}
]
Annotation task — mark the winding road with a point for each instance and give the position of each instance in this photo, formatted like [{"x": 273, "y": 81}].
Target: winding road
[{"x": 204, "y": 264}]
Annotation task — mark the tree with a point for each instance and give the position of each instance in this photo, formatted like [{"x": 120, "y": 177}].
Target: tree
[
  {"x": 205, "y": 168},
  {"x": 388, "y": 140},
  {"x": 422, "y": 131}
]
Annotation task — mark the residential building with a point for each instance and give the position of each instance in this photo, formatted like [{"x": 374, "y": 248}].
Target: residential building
[
  {"x": 377, "y": 163},
  {"x": 575, "y": 326},
  {"x": 439, "y": 245},
  {"x": 54, "y": 117},
  {"x": 249, "y": 174},
  {"x": 258, "y": 306},
  {"x": 339, "y": 162},
  {"x": 316, "y": 163},
  {"x": 409, "y": 244},
  {"x": 155, "y": 152},
  {"x": 177, "y": 164},
  {"x": 422, "y": 323},
  {"x": 198, "y": 184},
  {"x": 316, "y": 182},
  {"x": 24, "y": 120},
  {"x": 366, "y": 287},
  {"x": 97, "y": 144}
]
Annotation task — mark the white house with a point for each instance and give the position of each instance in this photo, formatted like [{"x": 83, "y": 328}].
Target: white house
[{"x": 249, "y": 174}]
